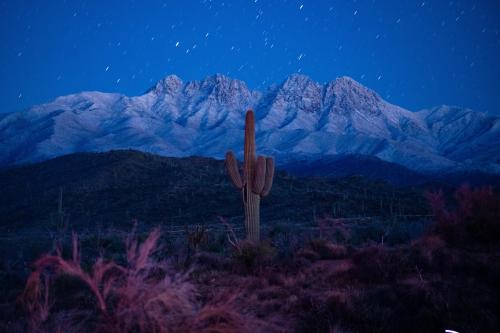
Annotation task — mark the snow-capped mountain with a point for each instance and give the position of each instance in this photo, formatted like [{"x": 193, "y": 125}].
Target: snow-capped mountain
[{"x": 298, "y": 119}]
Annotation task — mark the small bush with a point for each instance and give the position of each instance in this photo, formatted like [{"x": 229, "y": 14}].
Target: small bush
[
  {"x": 218, "y": 319},
  {"x": 475, "y": 216},
  {"x": 253, "y": 256},
  {"x": 427, "y": 247},
  {"x": 144, "y": 295},
  {"x": 328, "y": 250},
  {"x": 308, "y": 254},
  {"x": 334, "y": 228},
  {"x": 378, "y": 264}
]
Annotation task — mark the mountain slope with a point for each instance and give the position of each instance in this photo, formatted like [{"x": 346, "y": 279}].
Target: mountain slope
[
  {"x": 297, "y": 119},
  {"x": 347, "y": 165},
  {"x": 370, "y": 167},
  {"x": 113, "y": 188}
]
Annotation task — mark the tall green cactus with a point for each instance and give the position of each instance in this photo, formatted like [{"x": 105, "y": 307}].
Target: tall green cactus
[{"x": 257, "y": 178}]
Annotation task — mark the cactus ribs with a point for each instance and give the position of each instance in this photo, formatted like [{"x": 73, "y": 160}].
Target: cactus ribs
[{"x": 257, "y": 178}]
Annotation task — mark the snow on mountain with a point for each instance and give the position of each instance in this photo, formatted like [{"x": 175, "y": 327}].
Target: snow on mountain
[
  {"x": 464, "y": 135},
  {"x": 297, "y": 119}
]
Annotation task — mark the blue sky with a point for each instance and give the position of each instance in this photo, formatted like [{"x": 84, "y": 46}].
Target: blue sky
[{"x": 415, "y": 54}]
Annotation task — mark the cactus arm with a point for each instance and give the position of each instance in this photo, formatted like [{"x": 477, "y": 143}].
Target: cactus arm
[
  {"x": 232, "y": 170},
  {"x": 269, "y": 177},
  {"x": 259, "y": 175}
]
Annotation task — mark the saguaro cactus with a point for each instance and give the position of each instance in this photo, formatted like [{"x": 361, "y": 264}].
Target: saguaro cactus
[{"x": 257, "y": 178}]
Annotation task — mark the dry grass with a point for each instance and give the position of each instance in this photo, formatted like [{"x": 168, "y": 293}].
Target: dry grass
[
  {"x": 142, "y": 296},
  {"x": 427, "y": 285}
]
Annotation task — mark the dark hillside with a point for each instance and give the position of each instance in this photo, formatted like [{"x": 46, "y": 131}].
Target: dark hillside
[{"x": 115, "y": 187}]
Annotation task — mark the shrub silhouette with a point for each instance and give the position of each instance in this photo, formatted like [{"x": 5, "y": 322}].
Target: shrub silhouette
[
  {"x": 142, "y": 296},
  {"x": 475, "y": 216},
  {"x": 445, "y": 279}
]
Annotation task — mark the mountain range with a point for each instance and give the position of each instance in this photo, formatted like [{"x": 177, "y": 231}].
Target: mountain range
[{"x": 297, "y": 120}]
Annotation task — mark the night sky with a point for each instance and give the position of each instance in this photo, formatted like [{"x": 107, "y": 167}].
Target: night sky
[{"x": 416, "y": 54}]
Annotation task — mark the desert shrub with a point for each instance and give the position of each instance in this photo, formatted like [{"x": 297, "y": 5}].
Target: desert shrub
[
  {"x": 253, "y": 257},
  {"x": 378, "y": 264},
  {"x": 321, "y": 312},
  {"x": 286, "y": 239},
  {"x": 218, "y": 319},
  {"x": 313, "y": 314},
  {"x": 476, "y": 215},
  {"x": 375, "y": 231},
  {"x": 216, "y": 242},
  {"x": 196, "y": 236},
  {"x": 401, "y": 232},
  {"x": 439, "y": 306},
  {"x": 111, "y": 244},
  {"x": 142, "y": 296},
  {"x": 338, "y": 329},
  {"x": 306, "y": 253},
  {"x": 279, "y": 230},
  {"x": 389, "y": 231},
  {"x": 210, "y": 261},
  {"x": 334, "y": 228},
  {"x": 388, "y": 308},
  {"x": 427, "y": 250},
  {"x": 248, "y": 255},
  {"x": 327, "y": 250}
]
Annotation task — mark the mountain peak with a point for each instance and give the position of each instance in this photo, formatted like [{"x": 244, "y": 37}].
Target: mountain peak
[
  {"x": 346, "y": 80},
  {"x": 347, "y": 83},
  {"x": 224, "y": 89},
  {"x": 347, "y": 94},
  {"x": 299, "y": 82},
  {"x": 297, "y": 78},
  {"x": 222, "y": 80},
  {"x": 218, "y": 79},
  {"x": 167, "y": 85}
]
